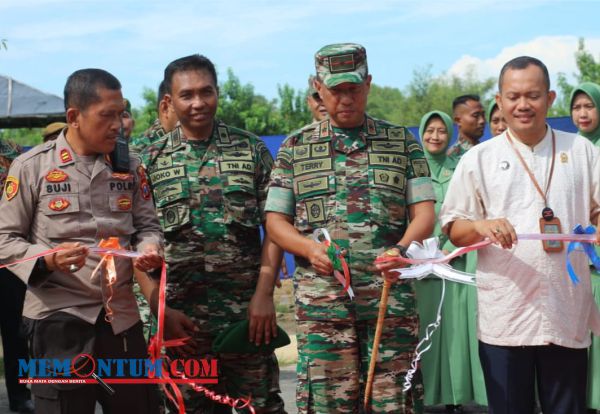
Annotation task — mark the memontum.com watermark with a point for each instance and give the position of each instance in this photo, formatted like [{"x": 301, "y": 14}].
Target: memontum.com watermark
[{"x": 85, "y": 369}]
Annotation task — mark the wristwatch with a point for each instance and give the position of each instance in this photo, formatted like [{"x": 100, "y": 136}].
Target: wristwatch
[
  {"x": 41, "y": 267},
  {"x": 400, "y": 248}
]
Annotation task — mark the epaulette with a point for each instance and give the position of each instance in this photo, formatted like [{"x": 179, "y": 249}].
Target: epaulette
[
  {"x": 386, "y": 124},
  {"x": 156, "y": 148},
  {"x": 306, "y": 128},
  {"x": 306, "y": 132},
  {"x": 240, "y": 132},
  {"x": 135, "y": 157},
  {"x": 38, "y": 149}
]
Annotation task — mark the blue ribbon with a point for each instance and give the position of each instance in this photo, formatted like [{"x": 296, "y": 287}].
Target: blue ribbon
[{"x": 587, "y": 248}]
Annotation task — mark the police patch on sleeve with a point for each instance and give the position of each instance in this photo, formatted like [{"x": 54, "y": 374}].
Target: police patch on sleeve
[
  {"x": 144, "y": 187},
  {"x": 11, "y": 187}
]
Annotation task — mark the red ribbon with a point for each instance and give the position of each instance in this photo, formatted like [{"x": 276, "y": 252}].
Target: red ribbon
[
  {"x": 155, "y": 351},
  {"x": 157, "y": 342}
]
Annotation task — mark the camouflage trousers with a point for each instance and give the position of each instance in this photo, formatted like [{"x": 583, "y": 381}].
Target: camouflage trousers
[
  {"x": 240, "y": 376},
  {"x": 148, "y": 320},
  {"x": 333, "y": 363}
]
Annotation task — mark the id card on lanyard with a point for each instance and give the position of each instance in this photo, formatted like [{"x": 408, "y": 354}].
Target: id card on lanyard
[{"x": 549, "y": 224}]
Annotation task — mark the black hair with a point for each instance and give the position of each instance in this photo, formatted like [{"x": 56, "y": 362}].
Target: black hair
[
  {"x": 81, "y": 89},
  {"x": 463, "y": 99},
  {"x": 520, "y": 63},
  {"x": 188, "y": 63},
  {"x": 162, "y": 90}
]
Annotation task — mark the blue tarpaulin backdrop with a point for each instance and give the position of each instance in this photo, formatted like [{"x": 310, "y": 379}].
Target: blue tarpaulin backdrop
[{"x": 274, "y": 141}]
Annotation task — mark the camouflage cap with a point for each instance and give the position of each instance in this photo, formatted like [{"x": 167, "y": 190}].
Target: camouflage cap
[
  {"x": 341, "y": 62},
  {"x": 127, "y": 105},
  {"x": 311, "y": 86}
]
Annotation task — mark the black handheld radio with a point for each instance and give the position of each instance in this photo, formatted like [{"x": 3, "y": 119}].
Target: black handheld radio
[{"x": 119, "y": 157}]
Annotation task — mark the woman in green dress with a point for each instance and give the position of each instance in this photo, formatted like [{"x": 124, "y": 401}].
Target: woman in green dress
[
  {"x": 585, "y": 99},
  {"x": 451, "y": 369}
]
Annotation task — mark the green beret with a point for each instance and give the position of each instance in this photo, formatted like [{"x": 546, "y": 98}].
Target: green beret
[{"x": 235, "y": 340}]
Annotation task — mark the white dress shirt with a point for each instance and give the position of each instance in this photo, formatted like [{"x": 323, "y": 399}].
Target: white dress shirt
[{"x": 525, "y": 296}]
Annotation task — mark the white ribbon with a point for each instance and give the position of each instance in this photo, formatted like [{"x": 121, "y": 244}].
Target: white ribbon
[{"x": 427, "y": 251}]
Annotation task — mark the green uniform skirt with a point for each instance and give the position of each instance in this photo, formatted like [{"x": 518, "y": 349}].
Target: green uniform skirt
[
  {"x": 594, "y": 355},
  {"x": 451, "y": 368}
]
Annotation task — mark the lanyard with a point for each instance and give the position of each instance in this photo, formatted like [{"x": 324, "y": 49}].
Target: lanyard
[{"x": 535, "y": 183}]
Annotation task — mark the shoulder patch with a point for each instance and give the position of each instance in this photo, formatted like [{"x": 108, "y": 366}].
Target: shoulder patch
[
  {"x": 11, "y": 187},
  {"x": 144, "y": 187}
]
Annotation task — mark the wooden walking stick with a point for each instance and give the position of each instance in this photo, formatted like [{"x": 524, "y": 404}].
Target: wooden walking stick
[{"x": 375, "y": 350}]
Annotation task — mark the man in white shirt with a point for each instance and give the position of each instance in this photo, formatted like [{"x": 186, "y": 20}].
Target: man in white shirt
[{"x": 533, "y": 321}]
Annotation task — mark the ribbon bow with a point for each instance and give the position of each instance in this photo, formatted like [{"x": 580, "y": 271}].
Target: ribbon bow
[
  {"x": 429, "y": 256},
  {"x": 587, "y": 248}
]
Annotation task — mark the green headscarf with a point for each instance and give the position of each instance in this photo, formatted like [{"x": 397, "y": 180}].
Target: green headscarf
[
  {"x": 593, "y": 91},
  {"x": 490, "y": 109},
  {"x": 436, "y": 161}
]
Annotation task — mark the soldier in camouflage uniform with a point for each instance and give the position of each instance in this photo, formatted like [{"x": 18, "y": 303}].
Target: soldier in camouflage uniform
[
  {"x": 469, "y": 116},
  {"x": 314, "y": 101},
  {"x": 164, "y": 123},
  {"x": 209, "y": 182},
  {"x": 361, "y": 179}
]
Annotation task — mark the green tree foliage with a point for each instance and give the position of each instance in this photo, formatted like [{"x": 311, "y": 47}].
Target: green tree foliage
[
  {"x": 292, "y": 111},
  {"x": 145, "y": 115},
  {"x": 588, "y": 70},
  {"x": 241, "y": 106},
  {"x": 425, "y": 93},
  {"x": 28, "y": 137}
]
